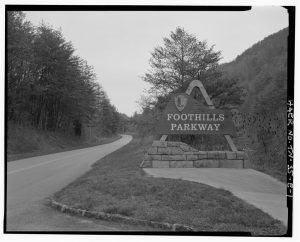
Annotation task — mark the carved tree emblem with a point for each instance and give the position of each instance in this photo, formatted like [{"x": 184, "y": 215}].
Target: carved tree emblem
[{"x": 180, "y": 102}]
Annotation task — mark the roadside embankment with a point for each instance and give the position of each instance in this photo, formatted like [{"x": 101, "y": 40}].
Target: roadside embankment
[{"x": 24, "y": 142}]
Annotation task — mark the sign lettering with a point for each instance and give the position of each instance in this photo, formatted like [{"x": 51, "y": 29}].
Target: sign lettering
[{"x": 185, "y": 115}]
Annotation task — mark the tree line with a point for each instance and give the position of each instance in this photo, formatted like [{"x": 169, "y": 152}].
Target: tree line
[{"x": 48, "y": 86}]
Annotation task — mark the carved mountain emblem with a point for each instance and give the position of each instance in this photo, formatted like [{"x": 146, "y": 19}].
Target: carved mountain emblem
[{"x": 180, "y": 102}]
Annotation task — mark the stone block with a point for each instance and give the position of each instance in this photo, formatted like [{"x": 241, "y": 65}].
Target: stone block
[
  {"x": 230, "y": 155},
  {"x": 164, "y": 151},
  {"x": 189, "y": 153},
  {"x": 240, "y": 155},
  {"x": 216, "y": 154},
  {"x": 159, "y": 143},
  {"x": 146, "y": 164},
  {"x": 206, "y": 163},
  {"x": 221, "y": 154},
  {"x": 202, "y": 155},
  {"x": 152, "y": 150},
  {"x": 175, "y": 150},
  {"x": 181, "y": 164},
  {"x": 155, "y": 157},
  {"x": 173, "y": 157},
  {"x": 248, "y": 165},
  {"x": 147, "y": 157},
  {"x": 231, "y": 163},
  {"x": 160, "y": 164},
  {"x": 173, "y": 144},
  {"x": 187, "y": 148},
  {"x": 191, "y": 157},
  {"x": 181, "y": 143},
  {"x": 212, "y": 154}
]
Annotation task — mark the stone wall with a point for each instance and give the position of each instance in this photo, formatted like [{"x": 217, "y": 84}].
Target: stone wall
[{"x": 166, "y": 154}]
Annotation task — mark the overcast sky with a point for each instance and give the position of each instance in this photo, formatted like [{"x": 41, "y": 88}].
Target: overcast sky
[{"x": 118, "y": 44}]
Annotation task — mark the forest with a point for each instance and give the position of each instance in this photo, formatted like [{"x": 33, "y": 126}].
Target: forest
[
  {"x": 253, "y": 87},
  {"x": 51, "y": 89}
]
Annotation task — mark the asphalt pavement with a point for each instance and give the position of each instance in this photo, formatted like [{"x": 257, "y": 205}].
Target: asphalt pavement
[{"x": 30, "y": 181}]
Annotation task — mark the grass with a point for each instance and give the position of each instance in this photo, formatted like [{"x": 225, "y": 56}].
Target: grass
[
  {"x": 279, "y": 175},
  {"x": 117, "y": 185},
  {"x": 272, "y": 162},
  {"x": 24, "y": 142}
]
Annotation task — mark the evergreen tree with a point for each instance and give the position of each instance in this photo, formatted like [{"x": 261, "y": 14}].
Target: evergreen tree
[{"x": 182, "y": 59}]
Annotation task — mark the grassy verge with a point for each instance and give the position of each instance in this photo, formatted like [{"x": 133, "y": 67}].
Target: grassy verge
[
  {"x": 266, "y": 168},
  {"x": 117, "y": 185},
  {"x": 25, "y": 142},
  {"x": 272, "y": 164},
  {"x": 272, "y": 172}
]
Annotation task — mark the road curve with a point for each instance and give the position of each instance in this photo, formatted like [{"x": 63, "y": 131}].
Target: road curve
[{"x": 31, "y": 180}]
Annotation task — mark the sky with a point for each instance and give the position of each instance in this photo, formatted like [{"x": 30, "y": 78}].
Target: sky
[{"x": 119, "y": 44}]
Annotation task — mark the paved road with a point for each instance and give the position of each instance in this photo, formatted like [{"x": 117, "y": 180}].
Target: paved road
[
  {"x": 30, "y": 181},
  {"x": 254, "y": 187}
]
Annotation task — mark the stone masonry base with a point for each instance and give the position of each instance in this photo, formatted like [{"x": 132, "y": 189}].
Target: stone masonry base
[{"x": 167, "y": 154}]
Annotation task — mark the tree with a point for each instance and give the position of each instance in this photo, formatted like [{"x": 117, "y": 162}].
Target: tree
[
  {"x": 226, "y": 92},
  {"x": 182, "y": 59},
  {"x": 53, "y": 82},
  {"x": 20, "y": 35},
  {"x": 108, "y": 120}
]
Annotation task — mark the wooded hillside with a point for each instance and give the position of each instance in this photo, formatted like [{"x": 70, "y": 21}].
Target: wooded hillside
[
  {"x": 261, "y": 121},
  {"x": 262, "y": 70}
]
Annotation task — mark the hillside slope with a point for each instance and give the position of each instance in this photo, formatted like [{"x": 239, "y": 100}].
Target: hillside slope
[
  {"x": 261, "y": 121},
  {"x": 262, "y": 69},
  {"x": 27, "y": 141}
]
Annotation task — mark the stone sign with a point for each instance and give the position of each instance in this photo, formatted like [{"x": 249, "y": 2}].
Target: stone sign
[{"x": 185, "y": 115}]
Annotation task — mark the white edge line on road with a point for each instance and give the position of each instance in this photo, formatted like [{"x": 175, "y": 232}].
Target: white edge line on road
[
  {"x": 47, "y": 162},
  {"x": 43, "y": 163}
]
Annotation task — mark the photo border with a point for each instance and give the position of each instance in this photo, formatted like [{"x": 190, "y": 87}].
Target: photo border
[{"x": 290, "y": 106}]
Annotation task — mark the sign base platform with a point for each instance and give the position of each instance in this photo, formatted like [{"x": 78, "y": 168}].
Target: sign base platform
[{"x": 169, "y": 154}]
